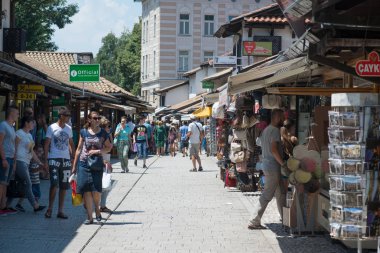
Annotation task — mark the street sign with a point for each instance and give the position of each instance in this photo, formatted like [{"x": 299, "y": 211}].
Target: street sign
[
  {"x": 253, "y": 48},
  {"x": 26, "y": 96},
  {"x": 370, "y": 67},
  {"x": 34, "y": 88},
  {"x": 84, "y": 72},
  {"x": 207, "y": 85},
  {"x": 224, "y": 61}
]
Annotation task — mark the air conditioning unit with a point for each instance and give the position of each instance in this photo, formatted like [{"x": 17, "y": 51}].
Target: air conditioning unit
[{"x": 14, "y": 40}]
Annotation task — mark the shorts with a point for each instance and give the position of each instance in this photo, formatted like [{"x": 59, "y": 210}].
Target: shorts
[
  {"x": 194, "y": 149},
  {"x": 184, "y": 144},
  {"x": 60, "y": 171},
  {"x": 6, "y": 174}
]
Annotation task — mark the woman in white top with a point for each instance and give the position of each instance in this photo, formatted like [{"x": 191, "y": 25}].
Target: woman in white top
[{"x": 24, "y": 154}]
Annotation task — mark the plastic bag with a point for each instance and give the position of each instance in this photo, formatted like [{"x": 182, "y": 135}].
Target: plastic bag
[
  {"x": 106, "y": 181},
  {"x": 76, "y": 198}
]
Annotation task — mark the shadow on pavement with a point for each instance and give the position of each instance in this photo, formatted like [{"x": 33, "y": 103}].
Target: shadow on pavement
[
  {"x": 108, "y": 223},
  {"x": 127, "y": 211}
]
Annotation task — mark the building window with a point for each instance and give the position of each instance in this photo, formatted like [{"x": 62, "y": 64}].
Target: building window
[
  {"x": 154, "y": 63},
  {"x": 146, "y": 66},
  {"x": 209, "y": 25},
  {"x": 154, "y": 26},
  {"x": 162, "y": 100},
  {"x": 143, "y": 32},
  {"x": 184, "y": 24},
  {"x": 142, "y": 69},
  {"x": 147, "y": 31},
  {"x": 231, "y": 18},
  {"x": 183, "y": 61},
  {"x": 208, "y": 55}
]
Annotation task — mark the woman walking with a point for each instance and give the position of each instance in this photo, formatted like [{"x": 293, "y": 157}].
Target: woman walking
[
  {"x": 106, "y": 125},
  {"x": 173, "y": 134},
  {"x": 160, "y": 138},
  {"x": 93, "y": 143},
  {"x": 123, "y": 143},
  {"x": 24, "y": 154}
]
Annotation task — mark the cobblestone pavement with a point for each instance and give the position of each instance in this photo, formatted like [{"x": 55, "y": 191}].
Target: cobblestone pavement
[{"x": 165, "y": 208}]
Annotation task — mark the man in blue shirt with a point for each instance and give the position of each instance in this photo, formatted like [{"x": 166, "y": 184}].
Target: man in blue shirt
[
  {"x": 150, "y": 136},
  {"x": 184, "y": 142}
]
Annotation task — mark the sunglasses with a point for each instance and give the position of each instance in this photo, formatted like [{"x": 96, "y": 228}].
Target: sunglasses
[{"x": 96, "y": 118}]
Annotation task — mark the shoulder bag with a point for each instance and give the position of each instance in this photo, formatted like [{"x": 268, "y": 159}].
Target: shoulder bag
[{"x": 94, "y": 162}]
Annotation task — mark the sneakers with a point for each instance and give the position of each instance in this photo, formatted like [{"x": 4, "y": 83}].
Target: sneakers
[
  {"x": 10, "y": 210},
  {"x": 135, "y": 162},
  {"x": 19, "y": 208},
  {"x": 105, "y": 210},
  {"x": 200, "y": 169},
  {"x": 144, "y": 166},
  {"x": 3, "y": 213},
  {"x": 193, "y": 170},
  {"x": 40, "y": 208}
]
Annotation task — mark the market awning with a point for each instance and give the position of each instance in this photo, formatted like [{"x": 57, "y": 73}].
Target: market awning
[
  {"x": 220, "y": 74},
  {"x": 211, "y": 98},
  {"x": 203, "y": 112},
  {"x": 322, "y": 91},
  {"x": 124, "y": 108},
  {"x": 188, "y": 103},
  {"x": 262, "y": 77}
]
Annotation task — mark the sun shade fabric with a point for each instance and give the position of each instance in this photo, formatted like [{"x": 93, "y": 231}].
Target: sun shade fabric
[{"x": 203, "y": 112}]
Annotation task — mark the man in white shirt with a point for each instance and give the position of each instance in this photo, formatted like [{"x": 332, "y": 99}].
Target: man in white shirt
[
  {"x": 195, "y": 135},
  {"x": 58, "y": 148}
]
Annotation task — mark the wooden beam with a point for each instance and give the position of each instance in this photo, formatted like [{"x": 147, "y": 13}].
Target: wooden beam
[
  {"x": 310, "y": 91},
  {"x": 337, "y": 65},
  {"x": 353, "y": 42}
]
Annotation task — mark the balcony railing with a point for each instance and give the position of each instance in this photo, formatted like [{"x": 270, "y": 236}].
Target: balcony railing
[{"x": 180, "y": 75}]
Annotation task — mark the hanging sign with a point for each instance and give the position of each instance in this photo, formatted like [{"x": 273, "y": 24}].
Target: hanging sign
[
  {"x": 26, "y": 96},
  {"x": 369, "y": 67},
  {"x": 84, "y": 73},
  {"x": 35, "y": 88},
  {"x": 253, "y": 48},
  {"x": 207, "y": 85}
]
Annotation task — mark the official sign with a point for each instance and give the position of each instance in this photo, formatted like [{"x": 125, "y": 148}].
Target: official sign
[
  {"x": 370, "y": 67},
  {"x": 84, "y": 72},
  {"x": 26, "y": 96},
  {"x": 225, "y": 61},
  {"x": 253, "y": 48},
  {"x": 207, "y": 85},
  {"x": 33, "y": 88}
]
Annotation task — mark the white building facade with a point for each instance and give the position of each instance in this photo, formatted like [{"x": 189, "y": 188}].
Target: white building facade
[{"x": 177, "y": 36}]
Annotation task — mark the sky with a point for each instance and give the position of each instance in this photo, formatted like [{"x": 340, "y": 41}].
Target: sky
[{"x": 95, "y": 19}]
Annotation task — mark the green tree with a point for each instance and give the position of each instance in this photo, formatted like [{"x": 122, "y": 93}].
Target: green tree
[
  {"x": 107, "y": 56},
  {"x": 39, "y": 18},
  {"x": 120, "y": 59}
]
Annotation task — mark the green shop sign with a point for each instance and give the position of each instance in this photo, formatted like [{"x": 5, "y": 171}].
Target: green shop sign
[
  {"x": 84, "y": 72},
  {"x": 207, "y": 85}
]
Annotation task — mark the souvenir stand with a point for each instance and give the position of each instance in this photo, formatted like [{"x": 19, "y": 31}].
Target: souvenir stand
[{"x": 354, "y": 162}]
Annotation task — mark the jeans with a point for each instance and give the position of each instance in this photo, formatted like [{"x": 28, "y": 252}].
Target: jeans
[
  {"x": 122, "y": 152},
  {"x": 273, "y": 187},
  {"x": 22, "y": 171},
  {"x": 141, "y": 150},
  {"x": 6, "y": 174}
]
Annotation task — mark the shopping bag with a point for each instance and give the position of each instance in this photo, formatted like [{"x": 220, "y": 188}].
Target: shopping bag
[
  {"x": 135, "y": 147},
  {"x": 16, "y": 188},
  {"x": 106, "y": 181},
  {"x": 76, "y": 198}
]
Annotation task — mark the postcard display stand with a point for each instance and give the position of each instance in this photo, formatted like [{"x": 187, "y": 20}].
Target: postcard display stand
[{"x": 354, "y": 163}]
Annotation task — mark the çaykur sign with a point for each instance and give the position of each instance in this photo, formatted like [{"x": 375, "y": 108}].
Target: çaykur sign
[
  {"x": 256, "y": 48},
  {"x": 369, "y": 67}
]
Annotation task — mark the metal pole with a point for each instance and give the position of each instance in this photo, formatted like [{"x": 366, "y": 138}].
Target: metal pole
[{"x": 359, "y": 245}]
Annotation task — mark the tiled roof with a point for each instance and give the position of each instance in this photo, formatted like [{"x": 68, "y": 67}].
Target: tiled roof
[
  {"x": 267, "y": 19},
  {"x": 256, "y": 12},
  {"x": 61, "y": 62},
  {"x": 172, "y": 86}
]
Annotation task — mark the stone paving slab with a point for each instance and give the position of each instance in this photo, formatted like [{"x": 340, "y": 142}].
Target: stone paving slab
[{"x": 167, "y": 209}]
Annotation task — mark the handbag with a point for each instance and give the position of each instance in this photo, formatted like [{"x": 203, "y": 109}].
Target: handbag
[
  {"x": 94, "y": 162},
  {"x": 16, "y": 188},
  {"x": 235, "y": 147},
  {"x": 237, "y": 157},
  {"x": 271, "y": 101},
  {"x": 106, "y": 180},
  {"x": 76, "y": 198},
  {"x": 239, "y": 135}
]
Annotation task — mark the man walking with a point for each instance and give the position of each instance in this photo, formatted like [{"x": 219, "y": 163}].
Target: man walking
[
  {"x": 7, "y": 154},
  {"x": 184, "y": 142},
  {"x": 149, "y": 132},
  {"x": 272, "y": 163},
  {"x": 195, "y": 135},
  {"x": 140, "y": 137},
  {"x": 59, "y": 146}
]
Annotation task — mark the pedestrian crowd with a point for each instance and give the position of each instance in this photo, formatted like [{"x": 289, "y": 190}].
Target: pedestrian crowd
[{"x": 38, "y": 151}]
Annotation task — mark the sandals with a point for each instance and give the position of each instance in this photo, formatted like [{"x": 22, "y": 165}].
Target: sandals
[
  {"x": 99, "y": 218},
  {"x": 48, "y": 214},
  {"x": 255, "y": 227},
  {"x": 62, "y": 216},
  {"x": 88, "y": 222}
]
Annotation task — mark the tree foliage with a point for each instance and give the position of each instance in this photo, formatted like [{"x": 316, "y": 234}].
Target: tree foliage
[
  {"x": 120, "y": 59},
  {"x": 40, "y": 17}
]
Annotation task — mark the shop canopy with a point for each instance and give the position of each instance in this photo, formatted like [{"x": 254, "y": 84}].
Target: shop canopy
[
  {"x": 204, "y": 112},
  {"x": 123, "y": 108},
  {"x": 320, "y": 91},
  {"x": 265, "y": 76}
]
